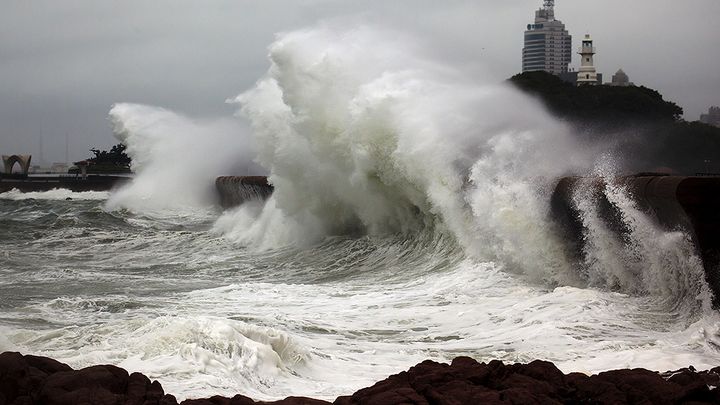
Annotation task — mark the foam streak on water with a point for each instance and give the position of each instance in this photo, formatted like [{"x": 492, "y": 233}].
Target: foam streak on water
[
  {"x": 204, "y": 318},
  {"x": 55, "y": 194}
]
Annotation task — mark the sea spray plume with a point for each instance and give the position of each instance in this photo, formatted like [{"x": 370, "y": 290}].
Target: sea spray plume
[
  {"x": 324, "y": 122},
  {"x": 362, "y": 135},
  {"x": 176, "y": 159},
  {"x": 665, "y": 263},
  {"x": 630, "y": 252}
]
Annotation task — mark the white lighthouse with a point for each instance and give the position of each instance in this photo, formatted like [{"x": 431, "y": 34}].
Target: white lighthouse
[{"x": 587, "y": 73}]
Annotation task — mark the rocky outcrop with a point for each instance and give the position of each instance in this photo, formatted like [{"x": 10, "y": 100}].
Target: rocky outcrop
[
  {"x": 39, "y": 380},
  {"x": 466, "y": 381},
  {"x": 242, "y": 400},
  {"x": 27, "y": 380}
]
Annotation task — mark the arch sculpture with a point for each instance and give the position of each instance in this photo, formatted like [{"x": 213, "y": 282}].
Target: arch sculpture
[{"x": 22, "y": 160}]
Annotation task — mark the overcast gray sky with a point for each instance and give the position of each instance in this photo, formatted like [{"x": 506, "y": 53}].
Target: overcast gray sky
[{"x": 64, "y": 63}]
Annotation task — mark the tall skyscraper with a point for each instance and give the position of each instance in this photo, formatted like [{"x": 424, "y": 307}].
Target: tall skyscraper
[{"x": 548, "y": 46}]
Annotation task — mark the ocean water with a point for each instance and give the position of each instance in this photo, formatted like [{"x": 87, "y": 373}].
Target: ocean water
[{"x": 409, "y": 222}]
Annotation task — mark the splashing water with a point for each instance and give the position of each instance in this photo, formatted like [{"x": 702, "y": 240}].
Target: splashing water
[
  {"x": 176, "y": 159},
  {"x": 641, "y": 257},
  {"x": 378, "y": 142},
  {"x": 410, "y": 220},
  {"x": 56, "y": 194},
  {"x": 383, "y": 141}
]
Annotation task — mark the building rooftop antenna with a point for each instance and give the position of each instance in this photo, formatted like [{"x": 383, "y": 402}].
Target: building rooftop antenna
[{"x": 548, "y": 10}]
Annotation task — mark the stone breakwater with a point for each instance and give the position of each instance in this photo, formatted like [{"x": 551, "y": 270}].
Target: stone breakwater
[
  {"x": 235, "y": 190},
  {"x": 39, "y": 380},
  {"x": 689, "y": 203}
]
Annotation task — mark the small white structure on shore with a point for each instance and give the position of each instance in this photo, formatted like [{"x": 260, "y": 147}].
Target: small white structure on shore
[
  {"x": 22, "y": 160},
  {"x": 82, "y": 165},
  {"x": 587, "y": 73}
]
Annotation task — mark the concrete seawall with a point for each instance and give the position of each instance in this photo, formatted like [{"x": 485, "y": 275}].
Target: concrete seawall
[
  {"x": 72, "y": 183},
  {"x": 691, "y": 204},
  {"x": 235, "y": 190}
]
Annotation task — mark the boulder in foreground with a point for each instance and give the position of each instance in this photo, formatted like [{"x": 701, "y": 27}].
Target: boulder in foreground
[{"x": 27, "y": 380}]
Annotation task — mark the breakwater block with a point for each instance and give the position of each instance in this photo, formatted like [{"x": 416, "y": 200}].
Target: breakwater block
[
  {"x": 235, "y": 190},
  {"x": 687, "y": 203}
]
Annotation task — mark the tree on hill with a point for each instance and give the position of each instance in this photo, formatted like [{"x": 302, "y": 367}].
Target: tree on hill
[
  {"x": 115, "y": 157},
  {"x": 113, "y": 161},
  {"x": 602, "y": 104},
  {"x": 635, "y": 124}
]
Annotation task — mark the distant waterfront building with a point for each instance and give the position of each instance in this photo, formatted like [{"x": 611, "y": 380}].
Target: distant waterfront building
[
  {"x": 548, "y": 46},
  {"x": 587, "y": 73},
  {"x": 55, "y": 168},
  {"x": 59, "y": 167},
  {"x": 712, "y": 117},
  {"x": 621, "y": 79}
]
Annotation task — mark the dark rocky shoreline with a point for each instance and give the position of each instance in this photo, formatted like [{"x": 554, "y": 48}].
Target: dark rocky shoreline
[{"x": 26, "y": 380}]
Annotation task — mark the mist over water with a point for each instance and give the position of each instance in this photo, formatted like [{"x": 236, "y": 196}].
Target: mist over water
[
  {"x": 175, "y": 158},
  {"x": 410, "y": 220},
  {"x": 372, "y": 139}
]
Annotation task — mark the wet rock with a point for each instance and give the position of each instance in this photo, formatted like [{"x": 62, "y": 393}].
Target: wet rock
[
  {"x": 243, "y": 400},
  {"x": 466, "y": 381},
  {"x": 40, "y": 380},
  {"x": 28, "y": 380},
  {"x": 20, "y": 375}
]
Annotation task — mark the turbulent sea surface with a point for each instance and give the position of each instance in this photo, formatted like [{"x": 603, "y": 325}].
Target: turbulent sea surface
[{"x": 409, "y": 222}]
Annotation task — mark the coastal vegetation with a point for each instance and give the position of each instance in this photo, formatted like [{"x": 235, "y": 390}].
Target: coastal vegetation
[
  {"x": 635, "y": 123},
  {"x": 114, "y": 160}
]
